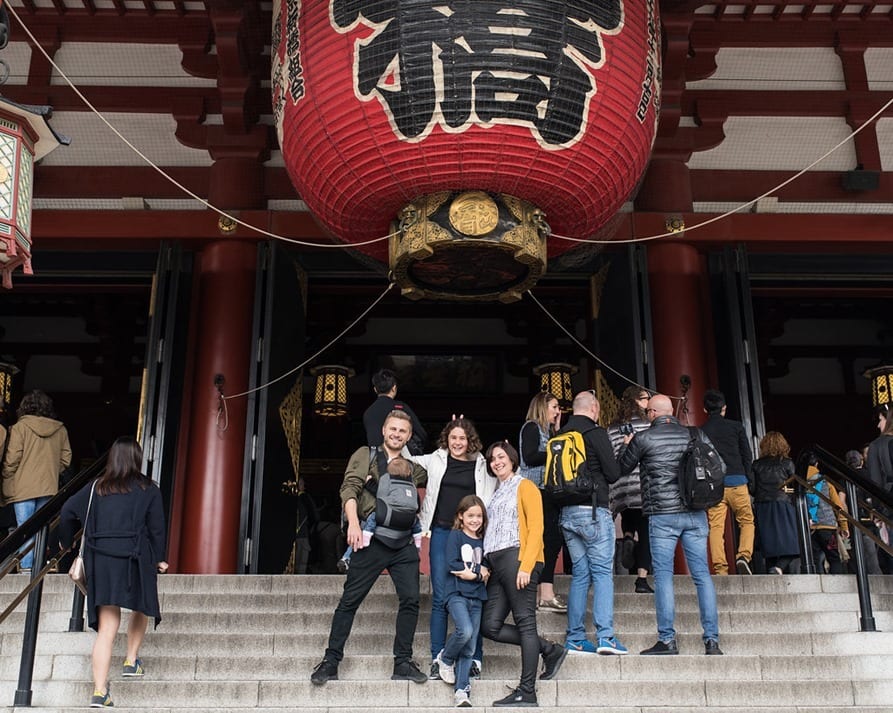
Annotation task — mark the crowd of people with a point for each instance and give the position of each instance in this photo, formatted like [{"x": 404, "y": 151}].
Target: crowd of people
[
  {"x": 496, "y": 528},
  {"x": 494, "y": 524}
]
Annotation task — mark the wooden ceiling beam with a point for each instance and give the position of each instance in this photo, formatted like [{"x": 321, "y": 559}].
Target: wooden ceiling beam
[
  {"x": 765, "y": 102},
  {"x": 761, "y": 31},
  {"x": 140, "y": 230},
  {"x": 139, "y": 100},
  {"x": 104, "y": 25}
]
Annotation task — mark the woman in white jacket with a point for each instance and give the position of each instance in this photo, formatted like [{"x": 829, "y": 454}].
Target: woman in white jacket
[{"x": 456, "y": 469}]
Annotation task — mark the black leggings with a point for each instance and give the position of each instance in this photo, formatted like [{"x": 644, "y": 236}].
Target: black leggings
[
  {"x": 553, "y": 538},
  {"x": 503, "y": 596},
  {"x": 634, "y": 520}
]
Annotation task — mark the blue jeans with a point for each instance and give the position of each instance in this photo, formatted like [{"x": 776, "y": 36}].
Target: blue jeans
[
  {"x": 591, "y": 546},
  {"x": 692, "y": 530},
  {"x": 439, "y": 574},
  {"x": 23, "y": 510},
  {"x": 459, "y": 649},
  {"x": 439, "y": 567}
]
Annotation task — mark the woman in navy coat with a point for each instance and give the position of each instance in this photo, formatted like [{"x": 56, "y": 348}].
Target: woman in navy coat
[{"x": 123, "y": 554}]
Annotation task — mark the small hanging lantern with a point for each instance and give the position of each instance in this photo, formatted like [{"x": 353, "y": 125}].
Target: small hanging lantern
[
  {"x": 25, "y": 138},
  {"x": 881, "y": 378},
  {"x": 330, "y": 392},
  {"x": 556, "y": 379},
  {"x": 7, "y": 373}
]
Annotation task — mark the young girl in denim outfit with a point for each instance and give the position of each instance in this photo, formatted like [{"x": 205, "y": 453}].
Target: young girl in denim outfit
[{"x": 465, "y": 593}]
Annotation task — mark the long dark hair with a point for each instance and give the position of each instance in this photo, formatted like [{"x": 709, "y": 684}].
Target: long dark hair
[
  {"x": 36, "y": 403},
  {"x": 122, "y": 470}
]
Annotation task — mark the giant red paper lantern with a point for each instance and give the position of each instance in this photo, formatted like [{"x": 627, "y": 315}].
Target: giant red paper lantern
[{"x": 472, "y": 119}]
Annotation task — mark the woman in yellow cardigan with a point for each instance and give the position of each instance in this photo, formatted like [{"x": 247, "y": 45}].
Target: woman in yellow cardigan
[{"x": 513, "y": 550}]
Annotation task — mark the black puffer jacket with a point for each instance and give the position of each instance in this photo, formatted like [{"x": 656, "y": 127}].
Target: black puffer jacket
[
  {"x": 658, "y": 451},
  {"x": 768, "y": 475}
]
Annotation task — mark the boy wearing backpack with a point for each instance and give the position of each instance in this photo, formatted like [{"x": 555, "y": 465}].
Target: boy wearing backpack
[
  {"x": 398, "y": 556},
  {"x": 579, "y": 467}
]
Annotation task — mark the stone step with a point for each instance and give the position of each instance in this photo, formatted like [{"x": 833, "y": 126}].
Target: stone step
[
  {"x": 499, "y": 665},
  {"x": 229, "y": 644},
  {"x": 400, "y": 694},
  {"x": 322, "y": 585},
  {"x": 478, "y": 706}
]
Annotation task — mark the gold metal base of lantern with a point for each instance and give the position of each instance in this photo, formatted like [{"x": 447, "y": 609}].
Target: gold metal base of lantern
[{"x": 468, "y": 246}]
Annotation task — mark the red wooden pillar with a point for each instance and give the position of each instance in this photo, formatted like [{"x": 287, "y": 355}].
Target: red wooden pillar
[
  {"x": 675, "y": 278},
  {"x": 679, "y": 312},
  {"x": 214, "y": 451}
]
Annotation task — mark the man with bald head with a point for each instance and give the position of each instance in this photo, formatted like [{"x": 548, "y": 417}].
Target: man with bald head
[
  {"x": 658, "y": 452},
  {"x": 589, "y": 533}
]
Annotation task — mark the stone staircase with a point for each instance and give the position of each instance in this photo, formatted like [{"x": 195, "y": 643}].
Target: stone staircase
[{"x": 248, "y": 643}]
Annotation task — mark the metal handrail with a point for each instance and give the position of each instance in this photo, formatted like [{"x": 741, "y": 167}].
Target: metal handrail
[
  {"x": 830, "y": 465},
  {"x": 38, "y": 526}
]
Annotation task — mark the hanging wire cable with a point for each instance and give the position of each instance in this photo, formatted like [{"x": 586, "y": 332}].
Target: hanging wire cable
[
  {"x": 311, "y": 358},
  {"x": 171, "y": 179},
  {"x": 344, "y": 246},
  {"x": 588, "y": 351},
  {"x": 749, "y": 203}
]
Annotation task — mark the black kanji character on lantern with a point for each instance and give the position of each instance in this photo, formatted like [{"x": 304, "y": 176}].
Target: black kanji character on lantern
[{"x": 528, "y": 61}]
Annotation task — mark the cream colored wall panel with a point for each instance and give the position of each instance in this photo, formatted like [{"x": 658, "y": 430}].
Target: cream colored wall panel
[
  {"x": 775, "y": 69},
  {"x": 885, "y": 143},
  {"x": 117, "y": 63},
  {"x": 94, "y": 144},
  {"x": 800, "y": 208},
  {"x": 17, "y": 56},
  {"x": 779, "y": 143},
  {"x": 879, "y": 66}
]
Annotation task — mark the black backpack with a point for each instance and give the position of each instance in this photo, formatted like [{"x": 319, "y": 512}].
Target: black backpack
[
  {"x": 567, "y": 479},
  {"x": 701, "y": 474}
]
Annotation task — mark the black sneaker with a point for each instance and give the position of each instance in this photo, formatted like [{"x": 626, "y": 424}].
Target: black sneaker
[
  {"x": 434, "y": 673},
  {"x": 408, "y": 671},
  {"x": 628, "y": 553},
  {"x": 517, "y": 698},
  {"x": 552, "y": 660},
  {"x": 743, "y": 566},
  {"x": 661, "y": 648},
  {"x": 711, "y": 648},
  {"x": 325, "y": 670},
  {"x": 342, "y": 566},
  {"x": 642, "y": 586}
]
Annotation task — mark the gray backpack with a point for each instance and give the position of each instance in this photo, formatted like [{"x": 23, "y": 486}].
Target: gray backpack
[{"x": 396, "y": 508}]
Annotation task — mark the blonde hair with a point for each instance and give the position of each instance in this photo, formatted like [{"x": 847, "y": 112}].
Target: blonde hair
[{"x": 538, "y": 410}]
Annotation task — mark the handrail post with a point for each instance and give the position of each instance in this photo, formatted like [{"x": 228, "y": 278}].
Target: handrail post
[
  {"x": 866, "y": 616},
  {"x": 76, "y": 622},
  {"x": 32, "y": 621},
  {"x": 807, "y": 563}
]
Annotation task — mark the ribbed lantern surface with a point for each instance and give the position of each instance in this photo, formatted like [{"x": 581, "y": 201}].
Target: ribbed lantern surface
[{"x": 380, "y": 102}]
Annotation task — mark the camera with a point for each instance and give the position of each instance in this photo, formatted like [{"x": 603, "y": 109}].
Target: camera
[{"x": 626, "y": 429}]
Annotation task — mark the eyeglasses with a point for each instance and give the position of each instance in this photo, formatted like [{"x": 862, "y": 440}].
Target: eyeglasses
[{"x": 643, "y": 398}]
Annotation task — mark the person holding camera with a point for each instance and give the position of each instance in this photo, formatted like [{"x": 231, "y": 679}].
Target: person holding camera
[{"x": 625, "y": 496}]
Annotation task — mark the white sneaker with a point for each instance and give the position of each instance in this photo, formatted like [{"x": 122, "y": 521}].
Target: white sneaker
[
  {"x": 462, "y": 700},
  {"x": 447, "y": 671}
]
